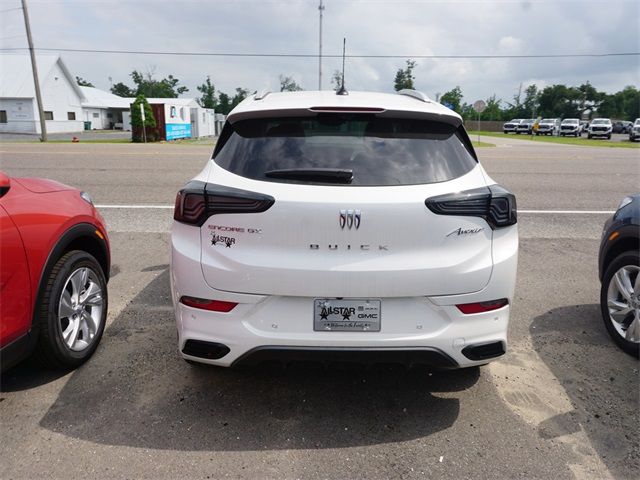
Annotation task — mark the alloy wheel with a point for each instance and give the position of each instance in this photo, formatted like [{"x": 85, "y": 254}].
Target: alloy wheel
[
  {"x": 80, "y": 309},
  {"x": 623, "y": 302}
]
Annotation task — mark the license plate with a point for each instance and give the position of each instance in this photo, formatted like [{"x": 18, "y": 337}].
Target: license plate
[{"x": 346, "y": 315}]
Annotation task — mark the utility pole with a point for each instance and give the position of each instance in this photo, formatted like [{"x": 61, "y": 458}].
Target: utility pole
[
  {"x": 43, "y": 125},
  {"x": 320, "y": 9}
]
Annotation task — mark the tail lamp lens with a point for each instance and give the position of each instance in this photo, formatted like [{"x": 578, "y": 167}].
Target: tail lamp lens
[
  {"x": 211, "y": 305},
  {"x": 197, "y": 201},
  {"x": 481, "y": 307},
  {"x": 190, "y": 207},
  {"x": 495, "y": 204}
]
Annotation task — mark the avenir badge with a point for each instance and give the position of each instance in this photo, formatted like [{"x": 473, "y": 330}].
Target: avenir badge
[{"x": 465, "y": 231}]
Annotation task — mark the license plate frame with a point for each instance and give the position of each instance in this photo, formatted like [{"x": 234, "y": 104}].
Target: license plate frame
[{"x": 347, "y": 314}]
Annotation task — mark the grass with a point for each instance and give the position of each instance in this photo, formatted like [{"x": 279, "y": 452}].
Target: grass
[
  {"x": 582, "y": 141},
  {"x": 477, "y": 144}
]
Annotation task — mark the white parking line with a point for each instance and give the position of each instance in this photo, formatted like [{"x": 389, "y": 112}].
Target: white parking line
[
  {"x": 570, "y": 212},
  {"x": 547, "y": 212},
  {"x": 136, "y": 207}
]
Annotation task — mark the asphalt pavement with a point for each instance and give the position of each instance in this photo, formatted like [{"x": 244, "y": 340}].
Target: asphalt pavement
[{"x": 563, "y": 403}]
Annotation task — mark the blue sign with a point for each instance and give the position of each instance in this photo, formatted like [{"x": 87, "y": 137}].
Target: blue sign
[
  {"x": 448, "y": 105},
  {"x": 177, "y": 130}
]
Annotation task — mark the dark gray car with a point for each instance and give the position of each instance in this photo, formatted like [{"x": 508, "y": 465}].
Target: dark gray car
[{"x": 619, "y": 266}]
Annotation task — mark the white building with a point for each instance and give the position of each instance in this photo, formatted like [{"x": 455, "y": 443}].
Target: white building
[
  {"x": 105, "y": 110},
  {"x": 68, "y": 106},
  {"x": 61, "y": 96}
]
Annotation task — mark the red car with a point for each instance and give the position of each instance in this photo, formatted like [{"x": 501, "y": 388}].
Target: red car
[{"x": 54, "y": 268}]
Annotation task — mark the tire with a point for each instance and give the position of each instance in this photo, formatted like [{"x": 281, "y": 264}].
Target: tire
[
  {"x": 63, "y": 309},
  {"x": 609, "y": 137},
  {"x": 628, "y": 262},
  {"x": 589, "y": 136}
]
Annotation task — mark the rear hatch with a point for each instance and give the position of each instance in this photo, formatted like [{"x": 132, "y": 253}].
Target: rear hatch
[{"x": 334, "y": 205}]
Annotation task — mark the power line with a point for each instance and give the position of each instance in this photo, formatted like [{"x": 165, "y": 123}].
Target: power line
[{"x": 311, "y": 55}]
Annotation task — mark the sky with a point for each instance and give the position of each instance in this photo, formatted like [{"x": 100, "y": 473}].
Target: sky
[{"x": 403, "y": 28}]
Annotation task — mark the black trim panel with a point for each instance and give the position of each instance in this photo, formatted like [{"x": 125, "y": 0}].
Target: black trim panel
[
  {"x": 327, "y": 355},
  {"x": 484, "y": 351},
  {"x": 202, "y": 349}
]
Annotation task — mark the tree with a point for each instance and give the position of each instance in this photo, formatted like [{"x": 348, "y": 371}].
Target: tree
[
  {"x": 208, "y": 98},
  {"x": 152, "y": 88},
  {"x": 148, "y": 86},
  {"x": 224, "y": 103},
  {"x": 515, "y": 109},
  {"x": 137, "y": 125},
  {"x": 288, "y": 84},
  {"x": 559, "y": 101},
  {"x": 241, "y": 94},
  {"x": 591, "y": 98},
  {"x": 336, "y": 80},
  {"x": 453, "y": 99},
  {"x": 83, "y": 83},
  {"x": 404, "y": 77},
  {"x": 493, "y": 110},
  {"x": 531, "y": 100},
  {"x": 622, "y": 105},
  {"x": 122, "y": 90}
]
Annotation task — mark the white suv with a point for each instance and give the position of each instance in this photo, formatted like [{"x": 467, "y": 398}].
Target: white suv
[
  {"x": 343, "y": 227},
  {"x": 571, "y": 126},
  {"x": 600, "y": 127}
]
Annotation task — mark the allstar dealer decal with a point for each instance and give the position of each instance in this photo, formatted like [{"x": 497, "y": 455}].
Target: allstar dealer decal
[{"x": 222, "y": 240}]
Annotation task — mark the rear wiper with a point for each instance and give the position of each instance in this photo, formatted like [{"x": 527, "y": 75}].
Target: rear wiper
[{"x": 329, "y": 175}]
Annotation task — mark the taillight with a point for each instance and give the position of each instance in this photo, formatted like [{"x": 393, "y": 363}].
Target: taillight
[
  {"x": 495, "y": 204},
  {"x": 211, "y": 305},
  {"x": 481, "y": 307},
  {"x": 197, "y": 201}
]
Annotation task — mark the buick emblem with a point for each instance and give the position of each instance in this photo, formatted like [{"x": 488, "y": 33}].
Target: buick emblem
[{"x": 350, "y": 219}]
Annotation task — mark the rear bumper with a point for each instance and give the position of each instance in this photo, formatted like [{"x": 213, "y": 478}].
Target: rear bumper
[{"x": 414, "y": 329}]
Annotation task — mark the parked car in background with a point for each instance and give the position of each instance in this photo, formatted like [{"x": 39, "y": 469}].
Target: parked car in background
[
  {"x": 619, "y": 269},
  {"x": 600, "y": 127},
  {"x": 54, "y": 271},
  {"x": 511, "y": 125},
  {"x": 634, "y": 133},
  {"x": 548, "y": 126},
  {"x": 525, "y": 126},
  {"x": 287, "y": 246},
  {"x": 621, "y": 126},
  {"x": 571, "y": 126}
]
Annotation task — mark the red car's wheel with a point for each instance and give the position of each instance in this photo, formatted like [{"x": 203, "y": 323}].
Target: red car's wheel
[{"x": 73, "y": 311}]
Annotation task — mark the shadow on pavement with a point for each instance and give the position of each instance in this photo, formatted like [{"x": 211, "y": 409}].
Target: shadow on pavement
[
  {"x": 26, "y": 375},
  {"x": 600, "y": 380},
  {"x": 138, "y": 392}
]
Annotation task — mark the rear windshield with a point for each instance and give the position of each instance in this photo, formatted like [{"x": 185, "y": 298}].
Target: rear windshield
[{"x": 379, "y": 150}]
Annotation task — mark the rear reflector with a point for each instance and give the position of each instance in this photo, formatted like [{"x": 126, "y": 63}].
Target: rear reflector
[
  {"x": 211, "y": 305},
  {"x": 481, "y": 307}
]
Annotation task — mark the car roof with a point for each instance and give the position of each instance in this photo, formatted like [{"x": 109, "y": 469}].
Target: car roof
[{"x": 410, "y": 104}]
